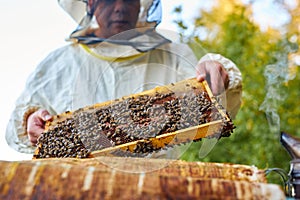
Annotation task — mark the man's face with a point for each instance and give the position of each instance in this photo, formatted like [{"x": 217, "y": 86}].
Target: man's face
[{"x": 115, "y": 16}]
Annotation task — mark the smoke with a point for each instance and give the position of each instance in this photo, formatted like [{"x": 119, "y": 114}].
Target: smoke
[{"x": 277, "y": 75}]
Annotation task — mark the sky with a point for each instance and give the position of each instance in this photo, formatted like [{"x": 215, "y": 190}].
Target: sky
[{"x": 31, "y": 29}]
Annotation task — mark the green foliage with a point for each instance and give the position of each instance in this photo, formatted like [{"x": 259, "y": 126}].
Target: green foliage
[{"x": 254, "y": 141}]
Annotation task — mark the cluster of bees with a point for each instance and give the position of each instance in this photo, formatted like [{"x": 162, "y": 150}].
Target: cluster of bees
[{"x": 124, "y": 121}]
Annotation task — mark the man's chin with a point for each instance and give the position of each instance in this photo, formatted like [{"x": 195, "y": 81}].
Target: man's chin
[{"x": 123, "y": 33}]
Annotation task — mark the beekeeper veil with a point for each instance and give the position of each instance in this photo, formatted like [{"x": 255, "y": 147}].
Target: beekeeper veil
[{"x": 149, "y": 17}]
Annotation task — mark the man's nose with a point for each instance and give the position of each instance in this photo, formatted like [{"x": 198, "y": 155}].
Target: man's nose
[{"x": 120, "y": 5}]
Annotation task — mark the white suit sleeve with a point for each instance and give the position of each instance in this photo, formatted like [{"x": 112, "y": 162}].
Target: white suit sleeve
[
  {"x": 232, "y": 98},
  {"x": 32, "y": 98},
  {"x": 16, "y": 134}
]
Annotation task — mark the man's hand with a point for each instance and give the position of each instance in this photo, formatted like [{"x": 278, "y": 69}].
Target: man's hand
[
  {"x": 215, "y": 74},
  {"x": 36, "y": 124}
]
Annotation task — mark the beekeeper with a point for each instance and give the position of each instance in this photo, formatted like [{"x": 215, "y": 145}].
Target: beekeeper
[{"x": 115, "y": 51}]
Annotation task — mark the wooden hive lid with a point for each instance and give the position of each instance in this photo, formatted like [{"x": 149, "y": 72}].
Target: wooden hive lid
[{"x": 95, "y": 179}]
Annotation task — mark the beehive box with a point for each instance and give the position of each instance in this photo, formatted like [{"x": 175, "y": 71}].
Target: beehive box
[
  {"x": 132, "y": 178},
  {"x": 142, "y": 123}
]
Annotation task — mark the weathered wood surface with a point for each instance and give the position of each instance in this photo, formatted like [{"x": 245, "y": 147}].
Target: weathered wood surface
[{"x": 132, "y": 178}]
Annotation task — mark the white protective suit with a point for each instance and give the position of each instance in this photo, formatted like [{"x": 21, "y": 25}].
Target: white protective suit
[{"x": 78, "y": 75}]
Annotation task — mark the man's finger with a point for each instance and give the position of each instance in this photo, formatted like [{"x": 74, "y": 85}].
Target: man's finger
[
  {"x": 35, "y": 129},
  {"x": 200, "y": 77},
  {"x": 34, "y": 133},
  {"x": 44, "y": 115},
  {"x": 32, "y": 139},
  {"x": 215, "y": 82}
]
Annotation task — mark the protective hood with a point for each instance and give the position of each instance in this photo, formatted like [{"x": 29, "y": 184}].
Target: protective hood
[{"x": 149, "y": 17}]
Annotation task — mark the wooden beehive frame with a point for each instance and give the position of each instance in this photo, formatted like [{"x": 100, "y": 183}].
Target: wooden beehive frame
[{"x": 193, "y": 133}]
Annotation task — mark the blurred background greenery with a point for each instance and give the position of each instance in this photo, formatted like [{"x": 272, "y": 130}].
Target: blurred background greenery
[{"x": 269, "y": 62}]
